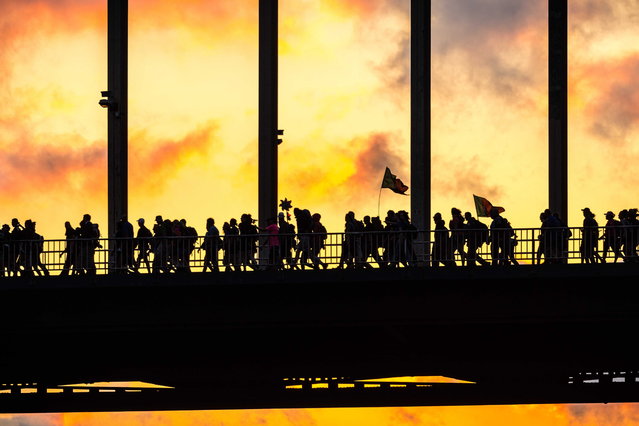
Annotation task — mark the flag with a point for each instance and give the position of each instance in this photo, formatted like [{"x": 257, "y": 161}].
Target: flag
[
  {"x": 484, "y": 207},
  {"x": 391, "y": 182}
]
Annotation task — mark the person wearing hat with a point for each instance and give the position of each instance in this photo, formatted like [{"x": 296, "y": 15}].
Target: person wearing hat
[
  {"x": 611, "y": 237},
  {"x": 589, "y": 238}
]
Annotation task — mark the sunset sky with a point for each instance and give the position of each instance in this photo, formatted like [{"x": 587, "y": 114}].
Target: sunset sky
[{"x": 345, "y": 107}]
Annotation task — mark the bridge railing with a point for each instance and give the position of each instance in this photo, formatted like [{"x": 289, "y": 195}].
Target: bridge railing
[{"x": 321, "y": 251}]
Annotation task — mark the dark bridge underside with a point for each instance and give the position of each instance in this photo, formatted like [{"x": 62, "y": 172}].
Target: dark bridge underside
[{"x": 522, "y": 335}]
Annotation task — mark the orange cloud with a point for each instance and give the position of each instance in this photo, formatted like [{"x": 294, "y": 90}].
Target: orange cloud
[{"x": 613, "y": 107}]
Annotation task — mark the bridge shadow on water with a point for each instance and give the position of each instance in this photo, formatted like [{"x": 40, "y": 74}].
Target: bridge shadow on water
[{"x": 534, "y": 334}]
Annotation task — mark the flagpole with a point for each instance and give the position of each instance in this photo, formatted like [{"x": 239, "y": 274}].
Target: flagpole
[{"x": 379, "y": 200}]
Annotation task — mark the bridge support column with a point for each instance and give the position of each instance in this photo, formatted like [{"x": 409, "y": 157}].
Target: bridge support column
[
  {"x": 420, "y": 118},
  {"x": 558, "y": 107},
  {"x": 268, "y": 103},
  {"x": 118, "y": 21}
]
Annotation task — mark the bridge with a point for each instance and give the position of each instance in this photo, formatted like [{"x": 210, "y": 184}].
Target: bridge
[
  {"x": 552, "y": 333},
  {"x": 330, "y": 338}
]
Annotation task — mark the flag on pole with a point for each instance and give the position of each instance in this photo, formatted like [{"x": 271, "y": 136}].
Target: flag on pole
[
  {"x": 484, "y": 207},
  {"x": 391, "y": 182}
]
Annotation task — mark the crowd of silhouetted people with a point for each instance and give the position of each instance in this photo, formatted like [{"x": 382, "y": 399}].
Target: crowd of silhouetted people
[{"x": 302, "y": 241}]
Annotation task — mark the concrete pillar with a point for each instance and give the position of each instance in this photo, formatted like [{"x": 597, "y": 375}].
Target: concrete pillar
[
  {"x": 118, "y": 112},
  {"x": 268, "y": 103},
  {"x": 420, "y": 114},
  {"x": 558, "y": 107}
]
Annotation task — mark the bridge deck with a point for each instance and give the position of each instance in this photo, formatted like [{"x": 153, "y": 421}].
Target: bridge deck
[{"x": 229, "y": 340}]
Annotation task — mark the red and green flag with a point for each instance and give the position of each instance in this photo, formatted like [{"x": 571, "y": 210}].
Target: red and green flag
[
  {"x": 391, "y": 182},
  {"x": 484, "y": 207}
]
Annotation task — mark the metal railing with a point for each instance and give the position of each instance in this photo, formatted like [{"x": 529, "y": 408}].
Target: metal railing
[{"x": 520, "y": 246}]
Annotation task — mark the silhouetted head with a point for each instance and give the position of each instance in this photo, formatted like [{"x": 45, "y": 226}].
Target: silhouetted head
[
  {"x": 86, "y": 217},
  {"x": 587, "y": 212},
  {"x": 6, "y": 228},
  {"x": 494, "y": 213},
  {"x": 468, "y": 216},
  {"x": 15, "y": 222},
  {"x": 317, "y": 217},
  {"x": 632, "y": 213},
  {"x": 610, "y": 215},
  {"x": 141, "y": 221},
  {"x": 437, "y": 217},
  {"x": 367, "y": 220},
  {"x": 455, "y": 211},
  {"x": 209, "y": 222},
  {"x": 158, "y": 219},
  {"x": 233, "y": 222}
]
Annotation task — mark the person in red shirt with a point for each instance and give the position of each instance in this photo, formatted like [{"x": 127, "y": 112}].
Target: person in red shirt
[{"x": 274, "y": 259}]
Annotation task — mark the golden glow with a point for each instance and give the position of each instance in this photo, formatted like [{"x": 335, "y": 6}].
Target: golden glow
[{"x": 345, "y": 108}]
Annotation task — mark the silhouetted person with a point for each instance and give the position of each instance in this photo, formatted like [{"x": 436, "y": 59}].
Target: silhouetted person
[
  {"x": 589, "y": 238},
  {"x": 502, "y": 239},
  {"x": 408, "y": 232},
  {"x": 124, "y": 245},
  {"x": 71, "y": 250},
  {"x": 391, "y": 236},
  {"x": 457, "y": 237},
  {"x": 287, "y": 240},
  {"x": 442, "y": 249},
  {"x": 273, "y": 244},
  {"x": 88, "y": 241},
  {"x": 211, "y": 245},
  {"x": 319, "y": 238},
  {"x": 143, "y": 241},
  {"x": 372, "y": 238},
  {"x": 37, "y": 249},
  {"x": 5, "y": 233},
  {"x": 612, "y": 237},
  {"x": 476, "y": 236},
  {"x": 16, "y": 249},
  {"x": 188, "y": 244},
  {"x": 632, "y": 239},
  {"x": 27, "y": 251},
  {"x": 380, "y": 239},
  {"x": 353, "y": 232},
  {"x": 232, "y": 234},
  {"x": 249, "y": 239},
  {"x": 304, "y": 231}
]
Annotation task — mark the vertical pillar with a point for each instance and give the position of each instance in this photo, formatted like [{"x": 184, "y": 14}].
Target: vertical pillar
[
  {"x": 268, "y": 102},
  {"x": 558, "y": 107},
  {"x": 118, "y": 111},
  {"x": 420, "y": 115}
]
